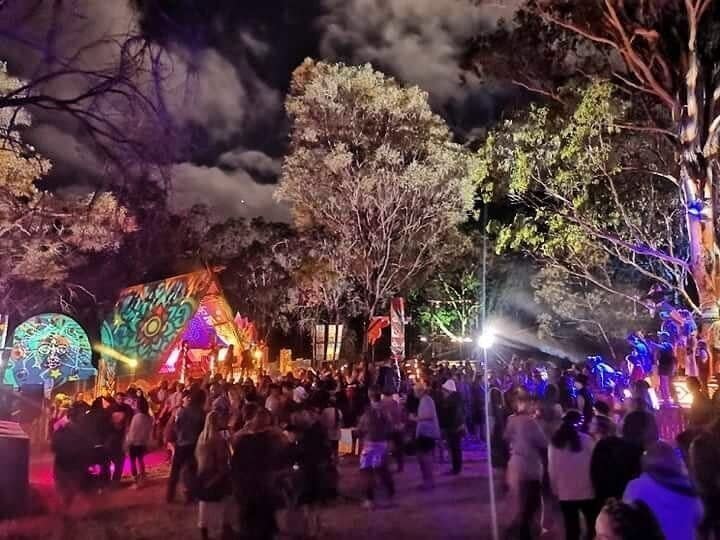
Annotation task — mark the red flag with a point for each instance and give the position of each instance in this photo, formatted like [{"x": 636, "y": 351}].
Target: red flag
[{"x": 375, "y": 329}]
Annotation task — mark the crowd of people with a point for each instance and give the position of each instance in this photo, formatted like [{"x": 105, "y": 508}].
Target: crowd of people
[{"x": 257, "y": 456}]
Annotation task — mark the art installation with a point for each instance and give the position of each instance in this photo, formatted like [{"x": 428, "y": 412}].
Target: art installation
[
  {"x": 327, "y": 341},
  {"x": 397, "y": 328},
  {"x": 150, "y": 322},
  {"x": 148, "y": 318},
  {"x": 247, "y": 331},
  {"x": 49, "y": 349}
]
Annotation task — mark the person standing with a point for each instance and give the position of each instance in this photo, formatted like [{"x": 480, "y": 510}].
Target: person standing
[
  {"x": 189, "y": 424},
  {"x": 273, "y": 403},
  {"x": 569, "y": 457},
  {"x": 528, "y": 446},
  {"x": 453, "y": 423},
  {"x": 139, "y": 437},
  {"x": 391, "y": 408},
  {"x": 427, "y": 433},
  {"x": 120, "y": 416},
  {"x": 259, "y": 453},
  {"x": 375, "y": 429},
  {"x": 332, "y": 420},
  {"x": 703, "y": 361},
  {"x": 667, "y": 490},
  {"x": 213, "y": 476},
  {"x": 704, "y": 459},
  {"x": 614, "y": 461},
  {"x": 73, "y": 456},
  {"x": 666, "y": 366},
  {"x": 619, "y": 520},
  {"x": 585, "y": 399}
]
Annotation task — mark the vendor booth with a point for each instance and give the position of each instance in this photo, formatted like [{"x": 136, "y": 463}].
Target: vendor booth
[{"x": 179, "y": 328}]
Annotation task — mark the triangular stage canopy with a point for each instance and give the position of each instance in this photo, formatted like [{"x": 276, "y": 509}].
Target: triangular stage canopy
[{"x": 150, "y": 320}]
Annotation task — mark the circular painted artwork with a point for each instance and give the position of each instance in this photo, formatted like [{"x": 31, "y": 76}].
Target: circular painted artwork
[{"x": 50, "y": 349}]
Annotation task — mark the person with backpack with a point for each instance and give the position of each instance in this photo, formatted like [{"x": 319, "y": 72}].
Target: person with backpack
[{"x": 375, "y": 429}]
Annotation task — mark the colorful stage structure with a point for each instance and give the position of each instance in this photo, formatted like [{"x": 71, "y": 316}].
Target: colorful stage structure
[{"x": 143, "y": 337}]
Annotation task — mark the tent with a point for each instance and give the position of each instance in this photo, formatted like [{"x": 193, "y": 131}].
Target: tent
[{"x": 150, "y": 321}]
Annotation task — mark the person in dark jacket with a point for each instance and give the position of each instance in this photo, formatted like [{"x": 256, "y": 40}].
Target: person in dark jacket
[
  {"x": 313, "y": 455},
  {"x": 188, "y": 426},
  {"x": 259, "y": 455},
  {"x": 73, "y": 456},
  {"x": 452, "y": 422},
  {"x": 120, "y": 415},
  {"x": 585, "y": 399}
]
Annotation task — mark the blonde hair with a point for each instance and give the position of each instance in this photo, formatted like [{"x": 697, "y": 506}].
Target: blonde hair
[{"x": 210, "y": 436}]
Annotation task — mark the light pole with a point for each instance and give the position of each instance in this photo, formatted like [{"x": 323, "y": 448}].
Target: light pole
[{"x": 485, "y": 341}]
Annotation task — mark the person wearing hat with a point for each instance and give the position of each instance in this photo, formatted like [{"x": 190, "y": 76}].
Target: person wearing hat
[
  {"x": 665, "y": 487},
  {"x": 452, "y": 422}
]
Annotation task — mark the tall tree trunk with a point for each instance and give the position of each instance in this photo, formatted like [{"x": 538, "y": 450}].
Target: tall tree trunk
[{"x": 697, "y": 177}]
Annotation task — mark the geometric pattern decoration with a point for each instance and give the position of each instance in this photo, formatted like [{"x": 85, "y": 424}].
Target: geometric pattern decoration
[
  {"x": 246, "y": 331},
  {"x": 149, "y": 318},
  {"x": 149, "y": 321},
  {"x": 49, "y": 349}
]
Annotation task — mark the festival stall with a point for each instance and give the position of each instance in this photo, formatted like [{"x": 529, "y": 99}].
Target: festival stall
[{"x": 178, "y": 328}]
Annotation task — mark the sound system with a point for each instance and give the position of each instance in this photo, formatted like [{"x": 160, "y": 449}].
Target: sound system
[{"x": 14, "y": 470}]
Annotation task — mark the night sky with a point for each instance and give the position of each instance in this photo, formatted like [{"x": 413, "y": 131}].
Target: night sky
[{"x": 231, "y": 65}]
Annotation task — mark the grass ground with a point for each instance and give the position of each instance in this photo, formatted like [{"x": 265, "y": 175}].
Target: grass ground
[{"x": 457, "y": 509}]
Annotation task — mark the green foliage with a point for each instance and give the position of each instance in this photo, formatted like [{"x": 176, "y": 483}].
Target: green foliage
[
  {"x": 587, "y": 202},
  {"x": 574, "y": 306},
  {"x": 377, "y": 170}
]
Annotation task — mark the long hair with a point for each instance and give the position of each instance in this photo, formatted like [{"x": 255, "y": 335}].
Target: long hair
[
  {"x": 568, "y": 434},
  {"x": 209, "y": 438}
]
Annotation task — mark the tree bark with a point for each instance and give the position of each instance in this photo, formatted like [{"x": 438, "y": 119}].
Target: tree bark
[{"x": 697, "y": 177}]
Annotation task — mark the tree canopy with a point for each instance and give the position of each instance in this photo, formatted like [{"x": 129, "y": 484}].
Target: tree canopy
[
  {"x": 613, "y": 166},
  {"x": 44, "y": 236},
  {"x": 376, "y": 169}
]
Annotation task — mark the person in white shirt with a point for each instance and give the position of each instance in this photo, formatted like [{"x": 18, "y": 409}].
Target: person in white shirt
[
  {"x": 569, "y": 457},
  {"x": 138, "y": 439},
  {"x": 427, "y": 433},
  {"x": 528, "y": 445},
  {"x": 331, "y": 418}
]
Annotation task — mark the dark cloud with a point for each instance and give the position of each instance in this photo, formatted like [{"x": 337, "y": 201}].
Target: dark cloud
[
  {"x": 226, "y": 193},
  {"x": 228, "y": 65}
]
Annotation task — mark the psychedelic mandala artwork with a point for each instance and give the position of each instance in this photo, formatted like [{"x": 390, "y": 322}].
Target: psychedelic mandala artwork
[
  {"x": 50, "y": 349},
  {"x": 149, "y": 319}
]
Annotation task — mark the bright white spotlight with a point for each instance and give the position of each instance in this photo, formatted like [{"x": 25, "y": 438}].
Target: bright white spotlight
[{"x": 487, "y": 339}]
